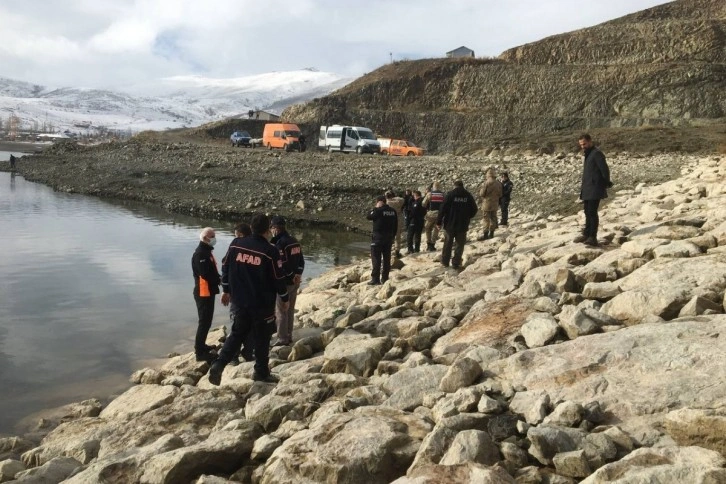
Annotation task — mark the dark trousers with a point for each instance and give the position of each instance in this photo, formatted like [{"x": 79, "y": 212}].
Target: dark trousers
[
  {"x": 205, "y": 311},
  {"x": 413, "y": 238},
  {"x": 504, "y": 205},
  {"x": 248, "y": 345},
  {"x": 591, "y": 218},
  {"x": 449, "y": 239},
  {"x": 380, "y": 256},
  {"x": 246, "y": 322}
]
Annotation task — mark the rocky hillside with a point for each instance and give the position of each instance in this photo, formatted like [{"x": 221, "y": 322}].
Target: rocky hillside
[
  {"x": 661, "y": 67},
  {"x": 542, "y": 361}
]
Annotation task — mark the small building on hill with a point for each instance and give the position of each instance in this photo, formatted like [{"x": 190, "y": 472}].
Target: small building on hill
[
  {"x": 263, "y": 115},
  {"x": 462, "y": 51}
]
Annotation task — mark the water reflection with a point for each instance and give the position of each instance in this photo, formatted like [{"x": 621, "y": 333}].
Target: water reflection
[{"x": 90, "y": 289}]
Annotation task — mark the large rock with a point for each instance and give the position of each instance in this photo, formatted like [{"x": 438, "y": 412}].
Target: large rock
[
  {"x": 693, "y": 465},
  {"x": 138, "y": 400},
  {"x": 539, "y": 329},
  {"x": 125, "y": 466},
  {"x": 703, "y": 428},
  {"x": 355, "y": 353},
  {"x": 268, "y": 410},
  {"x": 193, "y": 415},
  {"x": 464, "y": 372},
  {"x": 663, "y": 286},
  {"x": 408, "y": 386},
  {"x": 9, "y": 468},
  {"x": 368, "y": 445},
  {"x": 548, "y": 441},
  {"x": 468, "y": 473},
  {"x": 532, "y": 405},
  {"x": 486, "y": 324},
  {"x": 638, "y": 374},
  {"x": 53, "y": 471},
  {"x": 221, "y": 452},
  {"x": 471, "y": 446}
]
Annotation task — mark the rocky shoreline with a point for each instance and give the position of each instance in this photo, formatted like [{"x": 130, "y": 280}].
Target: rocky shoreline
[
  {"x": 542, "y": 361},
  {"x": 220, "y": 182}
]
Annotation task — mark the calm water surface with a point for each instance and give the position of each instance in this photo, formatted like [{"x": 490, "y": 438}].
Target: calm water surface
[{"x": 90, "y": 291}]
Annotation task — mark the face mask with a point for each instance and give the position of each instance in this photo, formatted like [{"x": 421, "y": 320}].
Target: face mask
[{"x": 212, "y": 241}]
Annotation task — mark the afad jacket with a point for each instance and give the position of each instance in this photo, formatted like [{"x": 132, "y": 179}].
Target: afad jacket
[{"x": 204, "y": 268}]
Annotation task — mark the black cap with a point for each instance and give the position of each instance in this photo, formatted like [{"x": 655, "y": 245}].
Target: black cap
[
  {"x": 381, "y": 198},
  {"x": 278, "y": 220}
]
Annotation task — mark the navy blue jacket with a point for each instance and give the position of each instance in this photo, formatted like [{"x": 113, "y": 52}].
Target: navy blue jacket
[
  {"x": 595, "y": 176},
  {"x": 253, "y": 275},
  {"x": 204, "y": 269},
  {"x": 293, "y": 261},
  {"x": 458, "y": 209},
  {"x": 385, "y": 224}
]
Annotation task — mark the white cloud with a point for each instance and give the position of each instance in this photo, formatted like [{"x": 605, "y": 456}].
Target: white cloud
[{"x": 115, "y": 43}]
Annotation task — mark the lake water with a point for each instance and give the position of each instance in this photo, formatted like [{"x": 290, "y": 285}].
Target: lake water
[{"x": 91, "y": 291}]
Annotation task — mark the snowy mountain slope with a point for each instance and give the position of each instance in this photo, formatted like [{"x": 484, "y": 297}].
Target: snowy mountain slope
[{"x": 168, "y": 103}]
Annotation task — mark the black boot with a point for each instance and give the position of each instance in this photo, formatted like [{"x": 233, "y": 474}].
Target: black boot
[
  {"x": 431, "y": 247},
  {"x": 491, "y": 234},
  {"x": 215, "y": 372}
]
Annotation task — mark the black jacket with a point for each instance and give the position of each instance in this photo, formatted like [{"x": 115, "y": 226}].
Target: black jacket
[
  {"x": 507, "y": 186},
  {"x": 253, "y": 275},
  {"x": 385, "y": 224},
  {"x": 595, "y": 176},
  {"x": 416, "y": 213},
  {"x": 293, "y": 262},
  {"x": 204, "y": 268},
  {"x": 458, "y": 209}
]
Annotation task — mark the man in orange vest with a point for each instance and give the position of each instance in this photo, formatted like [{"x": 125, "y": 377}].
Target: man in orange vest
[{"x": 206, "y": 287}]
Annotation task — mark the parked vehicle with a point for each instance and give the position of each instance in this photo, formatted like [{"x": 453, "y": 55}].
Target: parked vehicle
[
  {"x": 399, "y": 147},
  {"x": 283, "y": 136},
  {"x": 241, "y": 138},
  {"x": 347, "y": 139}
]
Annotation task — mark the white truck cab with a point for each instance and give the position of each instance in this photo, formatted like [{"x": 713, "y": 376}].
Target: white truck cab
[{"x": 347, "y": 139}]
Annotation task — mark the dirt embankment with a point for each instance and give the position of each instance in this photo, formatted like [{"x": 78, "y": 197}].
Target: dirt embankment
[{"x": 225, "y": 183}]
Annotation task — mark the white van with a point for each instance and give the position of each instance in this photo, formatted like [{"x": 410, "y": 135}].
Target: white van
[{"x": 347, "y": 139}]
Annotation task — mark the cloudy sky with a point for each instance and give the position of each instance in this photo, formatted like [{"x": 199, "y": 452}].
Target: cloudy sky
[{"x": 115, "y": 43}]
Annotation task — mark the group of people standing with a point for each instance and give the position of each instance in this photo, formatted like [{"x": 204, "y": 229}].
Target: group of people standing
[
  {"x": 453, "y": 212},
  {"x": 263, "y": 266},
  {"x": 429, "y": 214},
  {"x": 261, "y": 274}
]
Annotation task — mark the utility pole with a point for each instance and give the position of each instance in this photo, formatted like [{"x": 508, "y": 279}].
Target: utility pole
[{"x": 390, "y": 54}]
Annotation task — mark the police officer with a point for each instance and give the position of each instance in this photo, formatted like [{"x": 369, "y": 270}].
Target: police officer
[
  {"x": 293, "y": 265},
  {"x": 432, "y": 202},
  {"x": 385, "y": 225},
  {"x": 206, "y": 287},
  {"x": 254, "y": 279},
  {"x": 457, "y": 210},
  {"x": 416, "y": 215}
]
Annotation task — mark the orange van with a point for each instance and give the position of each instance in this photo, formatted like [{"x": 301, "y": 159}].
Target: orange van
[{"x": 284, "y": 136}]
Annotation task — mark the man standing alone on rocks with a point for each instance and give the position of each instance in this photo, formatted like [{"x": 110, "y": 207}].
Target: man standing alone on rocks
[
  {"x": 385, "y": 224},
  {"x": 490, "y": 194},
  {"x": 507, "y": 187},
  {"x": 456, "y": 212},
  {"x": 433, "y": 201},
  {"x": 396, "y": 203},
  {"x": 12, "y": 162},
  {"x": 595, "y": 182},
  {"x": 255, "y": 280},
  {"x": 206, "y": 287},
  {"x": 293, "y": 265}
]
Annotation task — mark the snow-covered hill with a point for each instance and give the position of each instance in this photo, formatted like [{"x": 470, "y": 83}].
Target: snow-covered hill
[{"x": 168, "y": 103}]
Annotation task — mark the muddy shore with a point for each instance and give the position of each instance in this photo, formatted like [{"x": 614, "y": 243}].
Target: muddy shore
[{"x": 220, "y": 182}]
